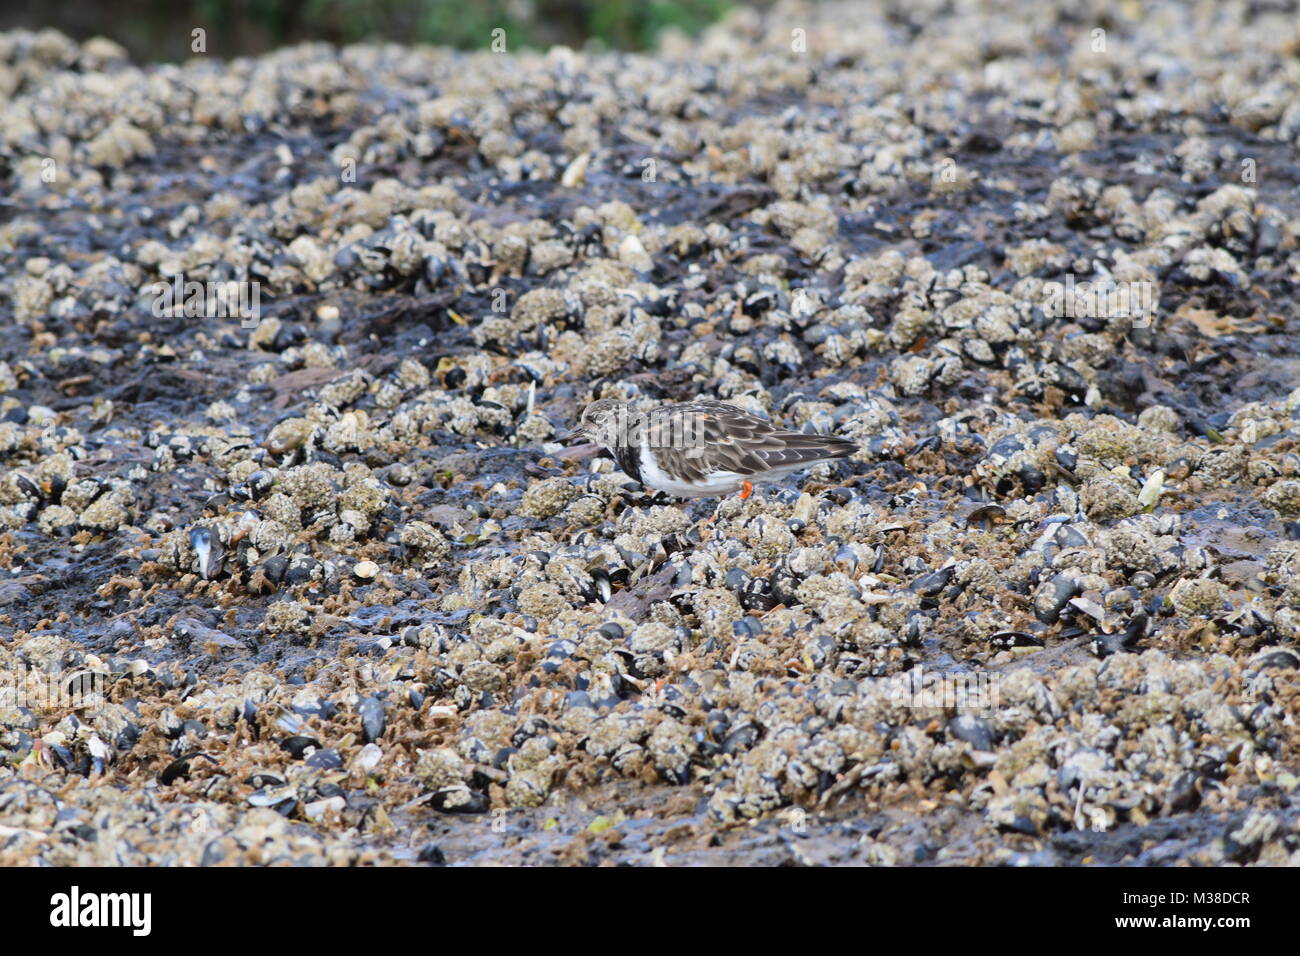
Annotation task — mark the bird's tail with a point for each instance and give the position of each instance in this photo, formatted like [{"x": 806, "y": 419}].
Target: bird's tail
[{"x": 798, "y": 447}]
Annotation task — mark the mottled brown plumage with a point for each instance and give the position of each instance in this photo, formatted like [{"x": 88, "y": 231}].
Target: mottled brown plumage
[{"x": 698, "y": 449}]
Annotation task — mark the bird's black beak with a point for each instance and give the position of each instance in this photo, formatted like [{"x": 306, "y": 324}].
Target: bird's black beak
[{"x": 571, "y": 435}]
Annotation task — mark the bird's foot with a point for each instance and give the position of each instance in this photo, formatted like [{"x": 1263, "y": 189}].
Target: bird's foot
[{"x": 746, "y": 489}]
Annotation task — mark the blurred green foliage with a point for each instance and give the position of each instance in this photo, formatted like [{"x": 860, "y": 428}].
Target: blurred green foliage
[{"x": 159, "y": 29}]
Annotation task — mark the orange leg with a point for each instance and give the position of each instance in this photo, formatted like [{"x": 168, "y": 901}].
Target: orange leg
[{"x": 746, "y": 489}]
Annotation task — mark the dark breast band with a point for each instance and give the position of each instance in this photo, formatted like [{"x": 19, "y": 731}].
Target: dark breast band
[{"x": 629, "y": 459}]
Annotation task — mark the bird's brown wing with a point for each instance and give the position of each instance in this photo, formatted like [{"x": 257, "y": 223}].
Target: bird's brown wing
[{"x": 697, "y": 438}]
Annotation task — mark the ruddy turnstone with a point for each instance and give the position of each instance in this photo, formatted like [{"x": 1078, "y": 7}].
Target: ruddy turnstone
[{"x": 702, "y": 449}]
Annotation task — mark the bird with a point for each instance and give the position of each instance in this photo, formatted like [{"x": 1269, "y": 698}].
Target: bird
[{"x": 702, "y": 449}]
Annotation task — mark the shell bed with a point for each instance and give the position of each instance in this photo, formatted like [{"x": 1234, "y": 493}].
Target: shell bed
[{"x": 348, "y": 600}]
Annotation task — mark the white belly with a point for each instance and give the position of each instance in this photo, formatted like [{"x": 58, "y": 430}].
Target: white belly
[{"x": 718, "y": 483}]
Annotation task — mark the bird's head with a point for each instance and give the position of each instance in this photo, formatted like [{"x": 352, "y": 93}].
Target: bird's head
[{"x": 604, "y": 422}]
